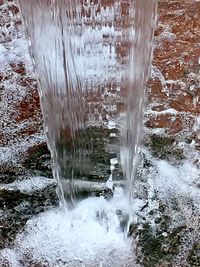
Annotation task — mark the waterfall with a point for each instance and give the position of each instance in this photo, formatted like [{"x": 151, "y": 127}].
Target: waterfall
[{"x": 91, "y": 58}]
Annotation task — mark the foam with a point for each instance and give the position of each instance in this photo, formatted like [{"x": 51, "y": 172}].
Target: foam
[
  {"x": 176, "y": 181},
  {"x": 89, "y": 235}
]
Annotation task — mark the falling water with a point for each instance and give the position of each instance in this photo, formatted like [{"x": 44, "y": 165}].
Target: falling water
[{"x": 92, "y": 59}]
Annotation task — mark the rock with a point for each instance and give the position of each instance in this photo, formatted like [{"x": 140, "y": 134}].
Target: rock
[
  {"x": 38, "y": 160},
  {"x": 21, "y": 200},
  {"x": 172, "y": 123},
  {"x": 165, "y": 148}
]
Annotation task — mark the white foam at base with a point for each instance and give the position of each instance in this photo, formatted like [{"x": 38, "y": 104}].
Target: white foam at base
[{"x": 89, "y": 235}]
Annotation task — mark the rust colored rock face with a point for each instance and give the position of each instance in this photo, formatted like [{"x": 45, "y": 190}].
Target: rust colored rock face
[
  {"x": 173, "y": 124},
  {"x": 28, "y": 107},
  {"x": 155, "y": 90},
  {"x": 176, "y": 73},
  {"x": 19, "y": 68},
  {"x": 184, "y": 103}
]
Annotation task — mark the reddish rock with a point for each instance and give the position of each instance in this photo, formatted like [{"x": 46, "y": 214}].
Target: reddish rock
[
  {"x": 27, "y": 82},
  {"x": 28, "y": 107},
  {"x": 185, "y": 103},
  {"x": 27, "y": 131},
  {"x": 155, "y": 90},
  {"x": 173, "y": 70},
  {"x": 158, "y": 108},
  {"x": 171, "y": 123},
  {"x": 176, "y": 56},
  {"x": 175, "y": 126},
  {"x": 158, "y": 31},
  {"x": 19, "y": 68}
]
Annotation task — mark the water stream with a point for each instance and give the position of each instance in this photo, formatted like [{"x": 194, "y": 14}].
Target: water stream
[{"x": 91, "y": 58}]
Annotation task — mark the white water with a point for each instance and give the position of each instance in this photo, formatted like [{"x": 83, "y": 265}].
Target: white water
[{"x": 90, "y": 235}]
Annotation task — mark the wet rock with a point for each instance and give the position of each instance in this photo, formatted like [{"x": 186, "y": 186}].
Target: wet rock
[
  {"x": 185, "y": 103},
  {"x": 165, "y": 148},
  {"x": 155, "y": 90},
  {"x": 176, "y": 56},
  {"x": 22, "y": 200},
  {"x": 19, "y": 68},
  {"x": 38, "y": 160},
  {"x": 158, "y": 245},
  {"x": 167, "y": 121},
  {"x": 28, "y": 107},
  {"x": 84, "y": 189},
  {"x": 95, "y": 153},
  {"x": 194, "y": 256}
]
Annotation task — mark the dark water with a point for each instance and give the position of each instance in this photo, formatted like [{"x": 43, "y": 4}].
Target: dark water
[{"x": 92, "y": 60}]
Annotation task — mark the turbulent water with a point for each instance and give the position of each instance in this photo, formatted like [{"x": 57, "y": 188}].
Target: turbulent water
[{"x": 92, "y": 60}]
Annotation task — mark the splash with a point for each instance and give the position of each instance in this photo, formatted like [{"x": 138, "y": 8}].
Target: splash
[{"x": 89, "y": 235}]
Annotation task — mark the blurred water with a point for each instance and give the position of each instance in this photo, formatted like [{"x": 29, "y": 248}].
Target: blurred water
[{"x": 92, "y": 59}]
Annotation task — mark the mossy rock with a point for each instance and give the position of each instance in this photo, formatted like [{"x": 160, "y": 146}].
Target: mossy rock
[{"x": 20, "y": 207}]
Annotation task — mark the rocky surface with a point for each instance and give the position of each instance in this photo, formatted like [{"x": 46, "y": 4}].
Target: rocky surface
[
  {"x": 23, "y": 150},
  {"x": 169, "y": 234},
  {"x": 168, "y": 222}
]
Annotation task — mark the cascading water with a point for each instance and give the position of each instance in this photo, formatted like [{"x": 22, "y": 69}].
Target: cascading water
[{"x": 92, "y": 59}]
